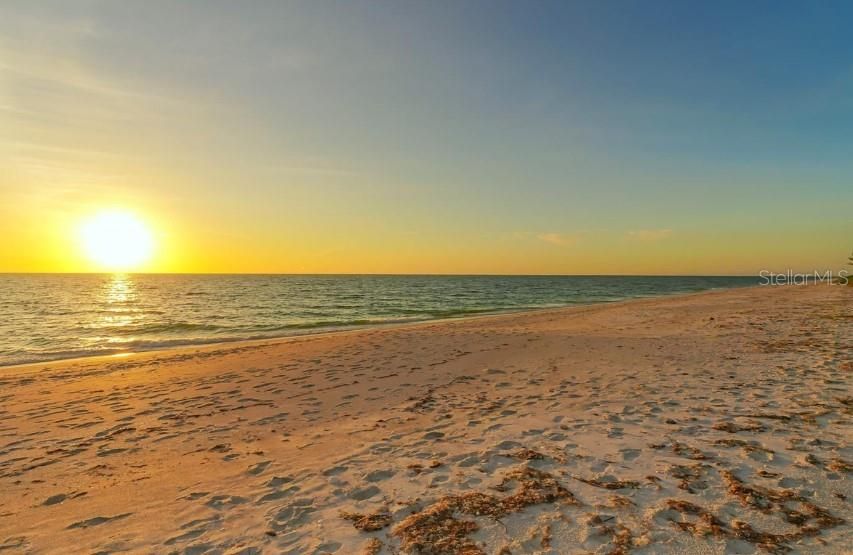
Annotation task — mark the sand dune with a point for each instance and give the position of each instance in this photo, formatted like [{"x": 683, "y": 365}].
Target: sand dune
[{"x": 711, "y": 423}]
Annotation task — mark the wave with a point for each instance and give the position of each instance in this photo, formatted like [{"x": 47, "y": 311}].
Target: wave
[
  {"x": 394, "y": 317},
  {"x": 49, "y": 319},
  {"x": 236, "y": 334},
  {"x": 152, "y": 328}
]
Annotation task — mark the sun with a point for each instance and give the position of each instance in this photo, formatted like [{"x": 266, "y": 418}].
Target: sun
[{"x": 116, "y": 240}]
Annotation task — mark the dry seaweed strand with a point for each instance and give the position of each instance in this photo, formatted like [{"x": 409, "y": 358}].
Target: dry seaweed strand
[
  {"x": 734, "y": 427},
  {"x": 620, "y": 535},
  {"x": 372, "y": 547},
  {"x": 840, "y": 465},
  {"x": 810, "y": 519},
  {"x": 526, "y": 455},
  {"x": 368, "y": 523},
  {"x": 688, "y": 452},
  {"x": 436, "y": 531},
  {"x": 610, "y": 484},
  {"x": 690, "y": 476},
  {"x": 706, "y": 523},
  {"x": 747, "y": 446}
]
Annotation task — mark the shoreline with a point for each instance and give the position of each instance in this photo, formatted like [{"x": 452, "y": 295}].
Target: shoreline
[
  {"x": 714, "y": 422},
  {"x": 332, "y": 331}
]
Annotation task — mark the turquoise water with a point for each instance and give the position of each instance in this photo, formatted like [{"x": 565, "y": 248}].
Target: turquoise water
[{"x": 54, "y": 316}]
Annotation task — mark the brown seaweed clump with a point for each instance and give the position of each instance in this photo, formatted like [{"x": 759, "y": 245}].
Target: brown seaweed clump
[
  {"x": 620, "y": 535},
  {"x": 688, "y": 452},
  {"x": 423, "y": 404},
  {"x": 417, "y": 468},
  {"x": 623, "y": 541},
  {"x": 372, "y": 547},
  {"x": 748, "y": 446},
  {"x": 436, "y": 530},
  {"x": 769, "y": 416},
  {"x": 619, "y": 502},
  {"x": 705, "y": 524},
  {"x": 809, "y": 518},
  {"x": 690, "y": 476},
  {"x": 526, "y": 455},
  {"x": 368, "y": 523},
  {"x": 773, "y": 543},
  {"x": 609, "y": 484},
  {"x": 734, "y": 427},
  {"x": 840, "y": 465},
  {"x": 757, "y": 497},
  {"x": 534, "y": 487}
]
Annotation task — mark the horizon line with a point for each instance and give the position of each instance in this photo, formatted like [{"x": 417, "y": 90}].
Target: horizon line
[{"x": 379, "y": 274}]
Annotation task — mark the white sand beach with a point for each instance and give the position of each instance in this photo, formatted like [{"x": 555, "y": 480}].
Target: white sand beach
[{"x": 717, "y": 422}]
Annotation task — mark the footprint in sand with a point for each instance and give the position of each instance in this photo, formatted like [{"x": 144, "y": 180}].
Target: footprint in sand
[
  {"x": 328, "y": 547},
  {"x": 195, "y": 495},
  {"x": 60, "y": 497},
  {"x": 221, "y": 501},
  {"x": 379, "y": 475},
  {"x": 18, "y": 542},
  {"x": 334, "y": 471},
  {"x": 293, "y": 515},
  {"x": 278, "y": 481},
  {"x": 276, "y": 495},
  {"x": 629, "y": 454},
  {"x": 258, "y": 468},
  {"x": 361, "y": 494},
  {"x": 97, "y": 521},
  {"x": 187, "y": 536}
]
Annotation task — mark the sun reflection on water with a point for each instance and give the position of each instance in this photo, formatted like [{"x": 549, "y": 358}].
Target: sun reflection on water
[
  {"x": 118, "y": 298},
  {"x": 119, "y": 289}
]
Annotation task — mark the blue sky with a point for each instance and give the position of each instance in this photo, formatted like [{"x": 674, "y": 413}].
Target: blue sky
[{"x": 343, "y": 136}]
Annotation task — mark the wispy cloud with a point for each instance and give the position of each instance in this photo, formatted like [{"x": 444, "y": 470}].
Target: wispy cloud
[
  {"x": 649, "y": 234},
  {"x": 560, "y": 239}
]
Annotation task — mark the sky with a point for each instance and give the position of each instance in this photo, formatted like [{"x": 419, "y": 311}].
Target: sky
[{"x": 591, "y": 137}]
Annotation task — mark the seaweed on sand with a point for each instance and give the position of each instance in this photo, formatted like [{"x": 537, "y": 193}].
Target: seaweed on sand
[
  {"x": 372, "y": 547},
  {"x": 757, "y": 497},
  {"x": 748, "y": 446},
  {"x": 705, "y": 524},
  {"x": 368, "y": 523},
  {"x": 734, "y": 427},
  {"x": 526, "y": 455},
  {"x": 840, "y": 465},
  {"x": 609, "y": 484},
  {"x": 620, "y": 535},
  {"x": 809, "y": 518},
  {"x": 688, "y": 452},
  {"x": 422, "y": 404},
  {"x": 690, "y": 476},
  {"x": 436, "y": 530}
]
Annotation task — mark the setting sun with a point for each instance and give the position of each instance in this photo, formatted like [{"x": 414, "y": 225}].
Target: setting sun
[{"x": 117, "y": 240}]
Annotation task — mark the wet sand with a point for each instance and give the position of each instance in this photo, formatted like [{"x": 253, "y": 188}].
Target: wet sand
[{"x": 718, "y": 422}]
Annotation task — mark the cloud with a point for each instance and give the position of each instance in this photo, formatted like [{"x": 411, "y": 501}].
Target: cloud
[
  {"x": 649, "y": 234},
  {"x": 559, "y": 239}
]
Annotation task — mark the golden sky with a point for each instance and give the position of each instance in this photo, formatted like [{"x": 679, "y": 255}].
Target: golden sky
[{"x": 329, "y": 138}]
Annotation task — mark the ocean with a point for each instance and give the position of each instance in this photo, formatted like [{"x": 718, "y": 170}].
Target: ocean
[{"x": 55, "y": 316}]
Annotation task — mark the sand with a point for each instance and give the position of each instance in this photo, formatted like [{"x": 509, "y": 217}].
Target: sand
[{"x": 718, "y": 422}]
